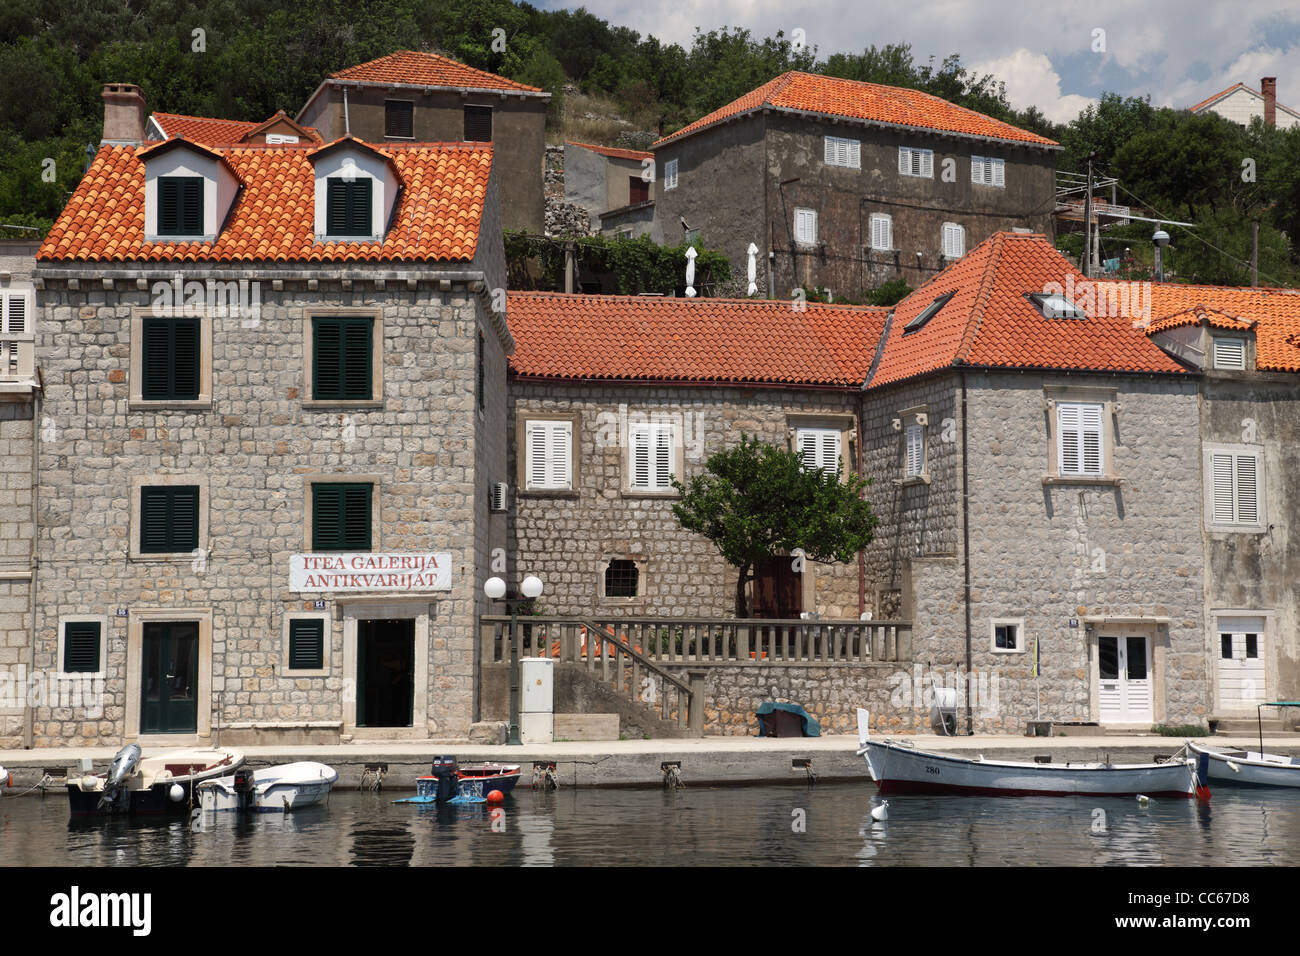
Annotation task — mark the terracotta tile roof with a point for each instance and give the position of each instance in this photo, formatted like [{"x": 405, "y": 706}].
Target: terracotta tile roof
[
  {"x": 1210, "y": 101},
  {"x": 895, "y": 106},
  {"x": 989, "y": 322},
  {"x": 209, "y": 131},
  {"x": 1275, "y": 312},
  {"x": 612, "y": 151},
  {"x": 1195, "y": 316},
  {"x": 643, "y": 338},
  {"x": 427, "y": 69},
  {"x": 437, "y": 218}
]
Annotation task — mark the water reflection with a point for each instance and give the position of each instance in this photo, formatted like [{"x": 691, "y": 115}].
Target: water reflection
[{"x": 829, "y": 824}]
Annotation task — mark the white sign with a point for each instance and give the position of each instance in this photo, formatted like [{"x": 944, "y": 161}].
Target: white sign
[{"x": 364, "y": 571}]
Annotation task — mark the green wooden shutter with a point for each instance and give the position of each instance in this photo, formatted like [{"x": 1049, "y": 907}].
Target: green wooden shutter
[
  {"x": 192, "y": 206},
  {"x": 169, "y": 519},
  {"x": 340, "y": 517},
  {"x": 347, "y": 207},
  {"x": 360, "y": 213},
  {"x": 478, "y": 124},
  {"x": 356, "y": 517},
  {"x": 306, "y": 643},
  {"x": 170, "y": 360},
  {"x": 80, "y": 647},
  {"x": 341, "y": 360},
  {"x": 168, "y": 206},
  {"x": 336, "y": 208}
]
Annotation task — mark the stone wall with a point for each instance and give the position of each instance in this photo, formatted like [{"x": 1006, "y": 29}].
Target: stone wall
[
  {"x": 568, "y": 539},
  {"x": 255, "y": 447}
]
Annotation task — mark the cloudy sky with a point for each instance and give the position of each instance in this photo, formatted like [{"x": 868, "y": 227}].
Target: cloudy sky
[{"x": 1050, "y": 54}]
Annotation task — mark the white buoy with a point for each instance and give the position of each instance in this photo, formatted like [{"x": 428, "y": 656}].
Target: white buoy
[
  {"x": 177, "y": 793},
  {"x": 881, "y": 813},
  {"x": 1143, "y": 799}
]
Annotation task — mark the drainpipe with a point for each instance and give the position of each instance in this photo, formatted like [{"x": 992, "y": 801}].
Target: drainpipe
[
  {"x": 347, "y": 126},
  {"x": 862, "y": 560},
  {"x": 965, "y": 544},
  {"x": 28, "y": 720}
]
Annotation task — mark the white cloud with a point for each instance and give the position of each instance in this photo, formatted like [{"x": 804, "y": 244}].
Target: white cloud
[{"x": 1031, "y": 81}]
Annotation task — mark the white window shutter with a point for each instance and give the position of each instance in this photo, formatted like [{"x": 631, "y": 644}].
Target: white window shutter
[
  {"x": 927, "y": 163},
  {"x": 1091, "y": 428},
  {"x": 808, "y": 447},
  {"x": 805, "y": 226},
  {"x": 954, "y": 240},
  {"x": 882, "y": 237},
  {"x": 1229, "y": 353},
  {"x": 904, "y": 161},
  {"x": 1221, "y": 479},
  {"x": 561, "y": 454},
  {"x": 1247, "y": 489},
  {"x": 663, "y": 457},
  {"x": 640, "y": 452},
  {"x": 536, "y": 454},
  {"x": 13, "y": 317},
  {"x": 830, "y": 457},
  {"x": 915, "y": 451},
  {"x": 999, "y": 172},
  {"x": 977, "y": 169},
  {"x": 855, "y": 153},
  {"x": 829, "y": 157},
  {"x": 1067, "y": 430}
]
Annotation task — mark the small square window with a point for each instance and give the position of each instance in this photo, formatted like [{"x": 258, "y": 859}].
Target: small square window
[
  {"x": 341, "y": 516},
  {"x": 805, "y": 227},
  {"x": 169, "y": 519},
  {"x": 306, "y": 643},
  {"x": 985, "y": 171},
  {"x": 621, "y": 579},
  {"x": 638, "y": 190},
  {"x": 651, "y": 456},
  {"x": 81, "y": 647},
  {"x": 549, "y": 455},
  {"x": 1080, "y": 439},
  {"x": 1229, "y": 353},
  {"x": 843, "y": 152},
  {"x": 916, "y": 162},
  {"x": 882, "y": 232},
  {"x": 915, "y": 451},
  {"x": 954, "y": 240},
  {"x": 819, "y": 448},
  {"x": 1008, "y": 636},
  {"x": 399, "y": 119}
]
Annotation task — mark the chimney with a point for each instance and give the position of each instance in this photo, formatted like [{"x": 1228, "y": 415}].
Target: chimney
[
  {"x": 1268, "y": 86},
  {"x": 123, "y": 115}
]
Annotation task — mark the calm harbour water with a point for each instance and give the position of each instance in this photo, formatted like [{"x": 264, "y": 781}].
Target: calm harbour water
[{"x": 740, "y": 826}]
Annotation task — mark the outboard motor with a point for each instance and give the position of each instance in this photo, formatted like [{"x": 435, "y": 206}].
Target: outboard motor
[
  {"x": 447, "y": 773},
  {"x": 124, "y": 764},
  {"x": 244, "y": 785}
]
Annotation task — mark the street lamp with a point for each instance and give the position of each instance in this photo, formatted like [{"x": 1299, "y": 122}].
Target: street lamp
[
  {"x": 495, "y": 589},
  {"x": 1160, "y": 240}
]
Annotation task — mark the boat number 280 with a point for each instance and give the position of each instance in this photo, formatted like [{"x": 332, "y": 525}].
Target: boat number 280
[{"x": 933, "y": 770}]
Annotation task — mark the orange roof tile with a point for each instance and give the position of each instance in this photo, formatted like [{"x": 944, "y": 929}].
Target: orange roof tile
[
  {"x": 427, "y": 69},
  {"x": 437, "y": 218},
  {"x": 614, "y": 152},
  {"x": 209, "y": 131},
  {"x": 989, "y": 321},
  {"x": 717, "y": 341},
  {"x": 1275, "y": 313},
  {"x": 890, "y": 105},
  {"x": 1195, "y": 316}
]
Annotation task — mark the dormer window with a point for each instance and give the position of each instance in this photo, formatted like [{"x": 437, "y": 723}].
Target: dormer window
[
  {"x": 1053, "y": 305},
  {"x": 180, "y": 206},
  {"x": 928, "y": 313},
  {"x": 349, "y": 210}
]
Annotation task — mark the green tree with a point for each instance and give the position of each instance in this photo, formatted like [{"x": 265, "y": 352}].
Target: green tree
[{"x": 757, "y": 501}]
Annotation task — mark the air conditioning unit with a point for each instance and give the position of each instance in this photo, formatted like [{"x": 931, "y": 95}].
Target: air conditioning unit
[{"x": 500, "y": 499}]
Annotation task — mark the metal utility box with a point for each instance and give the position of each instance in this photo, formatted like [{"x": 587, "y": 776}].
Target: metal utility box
[
  {"x": 537, "y": 685},
  {"x": 536, "y": 728}
]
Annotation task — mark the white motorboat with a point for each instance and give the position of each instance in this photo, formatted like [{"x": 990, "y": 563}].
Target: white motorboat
[
  {"x": 1251, "y": 768},
  {"x": 286, "y": 787},
  {"x": 899, "y": 767}
]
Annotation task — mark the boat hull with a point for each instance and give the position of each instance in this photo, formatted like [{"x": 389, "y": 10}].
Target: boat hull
[
  {"x": 899, "y": 770},
  {"x": 1241, "y": 768},
  {"x": 148, "y": 792},
  {"x": 279, "y": 789}
]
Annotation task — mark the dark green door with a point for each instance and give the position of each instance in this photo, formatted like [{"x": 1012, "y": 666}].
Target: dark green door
[
  {"x": 170, "y": 678},
  {"x": 385, "y": 672}
]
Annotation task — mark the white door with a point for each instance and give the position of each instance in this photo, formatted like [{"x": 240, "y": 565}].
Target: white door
[
  {"x": 1124, "y": 679},
  {"x": 1241, "y": 663}
]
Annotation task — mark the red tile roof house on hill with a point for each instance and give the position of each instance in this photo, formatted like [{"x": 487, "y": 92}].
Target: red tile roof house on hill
[
  {"x": 846, "y": 185},
  {"x": 412, "y": 96},
  {"x": 254, "y": 353}
]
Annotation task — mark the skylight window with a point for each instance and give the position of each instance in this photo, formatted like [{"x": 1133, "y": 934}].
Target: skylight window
[
  {"x": 928, "y": 313},
  {"x": 1056, "y": 306}
]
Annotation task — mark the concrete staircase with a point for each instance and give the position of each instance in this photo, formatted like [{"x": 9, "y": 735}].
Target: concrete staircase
[
  {"x": 583, "y": 692},
  {"x": 1245, "y": 727}
]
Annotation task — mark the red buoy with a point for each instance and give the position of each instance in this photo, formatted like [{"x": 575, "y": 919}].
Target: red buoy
[{"x": 496, "y": 796}]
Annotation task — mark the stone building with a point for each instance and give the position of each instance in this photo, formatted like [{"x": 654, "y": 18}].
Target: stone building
[
  {"x": 276, "y": 381},
  {"x": 610, "y": 395},
  {"x": 20, "y": 395},
  {"x": 615, "y": 186},
  {"x": 1037, "y": 455},
  {"x": 1245, "y": 345},
  {"x": 410, "y": 96},
  {"x": 846, "y": 185}
]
